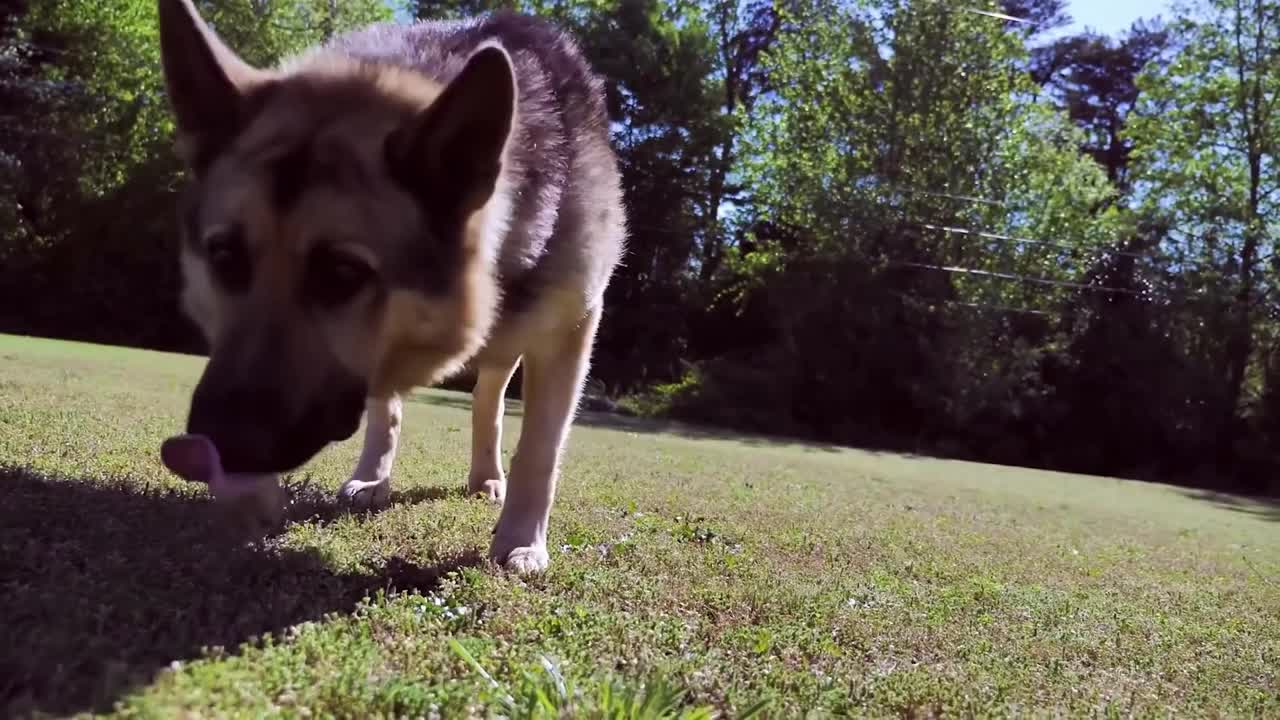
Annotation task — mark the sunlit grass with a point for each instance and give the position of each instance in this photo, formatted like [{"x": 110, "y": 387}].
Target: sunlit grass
[{"x": 730, "y": 575}]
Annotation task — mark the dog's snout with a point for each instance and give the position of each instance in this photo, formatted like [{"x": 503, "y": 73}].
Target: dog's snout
[
  {"x": 229, "y": 421},
  {"x": 242, "y": 419},
  {"x": 256, "y": 430}
]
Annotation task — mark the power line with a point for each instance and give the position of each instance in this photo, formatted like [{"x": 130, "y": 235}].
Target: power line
[
  {"x": 1024, "y": 241},
  {"x": 999, "y": 308},
  {"x": 1022, "y": 278},
  {"x": 972, "y": 305},
  {"x": 998, "y": 15},
  {"x": 993, "y": 274},
  {"x": 966, "y": 198},
  {"x": 953, "y": 229}
]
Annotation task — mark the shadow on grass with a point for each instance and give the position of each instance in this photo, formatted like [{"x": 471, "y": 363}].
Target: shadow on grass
[
  {"x": 623, "y": 423},
  {"x": 103, "y": 585},
  {"x": 1261, "y": 507}
]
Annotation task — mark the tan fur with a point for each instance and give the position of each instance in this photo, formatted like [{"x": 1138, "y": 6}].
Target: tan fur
[{"x": 554, "y": 374}]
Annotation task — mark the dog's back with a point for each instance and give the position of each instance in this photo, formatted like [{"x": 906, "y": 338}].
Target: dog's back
[{"x": 566, "y": 226}]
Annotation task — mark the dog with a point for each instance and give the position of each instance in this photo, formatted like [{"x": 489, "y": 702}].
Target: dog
[{"x": 376, "y": 214}]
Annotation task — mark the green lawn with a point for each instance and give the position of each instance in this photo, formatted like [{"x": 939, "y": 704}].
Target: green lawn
[{"x": 734, "y": 571}]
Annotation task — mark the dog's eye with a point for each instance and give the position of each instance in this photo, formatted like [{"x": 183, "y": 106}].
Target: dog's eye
[
  {"x": 334, "y": 278},
  {"x": 229, "y": 259}
]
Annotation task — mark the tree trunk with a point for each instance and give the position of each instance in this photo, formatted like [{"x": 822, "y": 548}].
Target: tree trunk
[
  {"x": 1240, "y": 343},
  {"x": 330, "y": 22}
]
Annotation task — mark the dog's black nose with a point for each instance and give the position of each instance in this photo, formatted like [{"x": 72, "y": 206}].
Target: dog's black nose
[
  {"x": 243, "y": 444},
  {"x": 256, "y": 431},
  {"x": 253, "y": 435},
  {"x": 243, "y": 422},
  {"x": 250, "y": 447}
]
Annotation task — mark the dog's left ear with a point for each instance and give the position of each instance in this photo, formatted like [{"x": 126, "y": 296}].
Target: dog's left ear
[
  {"x": 452, "y": 152},
  {"x": 206, "y": 82}
]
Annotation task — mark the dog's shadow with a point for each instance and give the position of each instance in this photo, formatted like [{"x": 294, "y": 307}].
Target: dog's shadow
[{"x": 101, "y": 585}]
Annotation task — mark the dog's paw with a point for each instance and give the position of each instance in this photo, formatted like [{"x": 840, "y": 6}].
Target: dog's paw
[
  {"x": 524, "y": 560},
  {"x": 495, "y": 491},
  {"x": 364, "y": 495}
]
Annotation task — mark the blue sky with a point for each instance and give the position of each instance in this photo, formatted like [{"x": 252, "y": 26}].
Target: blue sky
[{"x": 1111, "y": 16}]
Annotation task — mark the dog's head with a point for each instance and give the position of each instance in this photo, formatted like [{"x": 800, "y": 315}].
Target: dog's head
[{"x": 337, "y": 233}]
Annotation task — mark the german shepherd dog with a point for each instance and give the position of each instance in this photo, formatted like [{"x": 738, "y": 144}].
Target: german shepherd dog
[{"x": 378, "y": 213}]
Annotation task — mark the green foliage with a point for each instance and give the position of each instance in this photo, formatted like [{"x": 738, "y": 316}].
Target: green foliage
[
  {"x": 1205, "y": 134},
  {"x": 898, "y": 114},
  {"x": 1207, "y": 114},
  {"x": 112, "y": 56},
  {"x": 898, "y": 133},
  {"x": 1095, "y": 79},
  {"x": 264, "y": 31}
]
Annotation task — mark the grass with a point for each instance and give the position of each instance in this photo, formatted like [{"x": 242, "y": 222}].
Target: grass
[{"x": 689, "y": 575}]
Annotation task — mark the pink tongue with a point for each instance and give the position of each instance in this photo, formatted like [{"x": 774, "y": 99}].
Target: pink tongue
[{"x": 192, "y": 458}]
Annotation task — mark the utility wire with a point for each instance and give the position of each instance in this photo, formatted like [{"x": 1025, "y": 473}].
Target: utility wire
[
  {"x": 998, "y": 16},
  {"x": 1026, "y": 241},
  {"x": 1024, "y": 278}
]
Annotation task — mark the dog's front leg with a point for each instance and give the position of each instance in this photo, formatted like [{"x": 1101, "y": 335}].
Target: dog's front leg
[
  {"x": 370, "y": 485},
  {"x": 553, "y": 378},
  {"x": 487, "y": 406}
]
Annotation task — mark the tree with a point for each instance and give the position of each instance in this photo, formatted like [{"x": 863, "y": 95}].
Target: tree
[
  {"x": 677, "y": 75},
  {"x": 888, "y": 127},
  {"x": 38, "y": 163},
  {"x": 1205, "y": 150},
  {"x": 1094, "y": 78},
  {"x": 912, "y": 115},
  {"x": 743, "y": 34},
  {"x": 87, "y": 162}
]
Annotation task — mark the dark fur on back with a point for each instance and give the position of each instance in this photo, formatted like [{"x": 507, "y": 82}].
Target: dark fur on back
[{"x": 560, "y": 109}]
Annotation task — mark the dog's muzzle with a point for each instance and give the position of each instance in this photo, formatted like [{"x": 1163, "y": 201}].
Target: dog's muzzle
[{"x": 254, "y": 431}]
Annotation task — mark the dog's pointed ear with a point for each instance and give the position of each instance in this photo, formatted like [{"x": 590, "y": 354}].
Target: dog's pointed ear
[
  {"x": 452, "y": 152},
  {"x": 206, "y": 81}
]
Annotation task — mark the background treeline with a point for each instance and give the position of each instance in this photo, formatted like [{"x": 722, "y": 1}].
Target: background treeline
[{"x": 890, "y": 223}]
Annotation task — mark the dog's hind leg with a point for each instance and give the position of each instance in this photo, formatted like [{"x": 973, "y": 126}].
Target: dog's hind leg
[
  {"x": 370, "y": 485},
  {"x": 487, "y": 406},
  {"x": 553, "y": 377}
]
